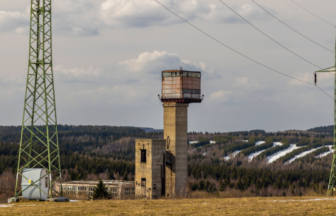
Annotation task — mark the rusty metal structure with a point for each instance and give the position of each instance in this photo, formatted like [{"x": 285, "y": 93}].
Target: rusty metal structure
[{"x": 181, "y": 86}]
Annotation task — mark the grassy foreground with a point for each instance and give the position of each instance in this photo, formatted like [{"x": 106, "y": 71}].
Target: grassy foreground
[{"x": 219, "y": 206}]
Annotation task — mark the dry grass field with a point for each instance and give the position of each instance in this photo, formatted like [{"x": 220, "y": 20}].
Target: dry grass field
[{"x": 214, "y": 206}]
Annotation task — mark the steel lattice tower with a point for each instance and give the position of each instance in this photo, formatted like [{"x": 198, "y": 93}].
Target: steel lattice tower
[
  {"x": 39, "y": 137},
  {"x": 332, "y": 178}
]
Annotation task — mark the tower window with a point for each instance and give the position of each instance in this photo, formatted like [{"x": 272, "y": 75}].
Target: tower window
[{"x": 143, "y": 156}]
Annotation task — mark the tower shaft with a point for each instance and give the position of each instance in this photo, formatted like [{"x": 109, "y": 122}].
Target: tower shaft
[
  {"x": 176, "y": 135},
  {"x": 39, "y": 137}
]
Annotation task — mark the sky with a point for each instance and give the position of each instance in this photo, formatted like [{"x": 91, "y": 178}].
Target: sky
[{"x": 108, "y": 56}]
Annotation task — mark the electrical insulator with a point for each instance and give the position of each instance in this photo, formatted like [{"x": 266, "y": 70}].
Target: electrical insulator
[{"x": 315, "y": 78}]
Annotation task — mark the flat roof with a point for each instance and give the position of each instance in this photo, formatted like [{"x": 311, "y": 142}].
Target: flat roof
[
  {"x": 180, "y": 71},
  {"x": 106, "y": 182}
]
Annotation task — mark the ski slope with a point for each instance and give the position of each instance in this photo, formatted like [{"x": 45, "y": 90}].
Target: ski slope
[
  {"x": 325, "y": 153},
  {"x": 279, "y": 154},
  {"x": 302, "y": 155},
  {"x": 251, "y": 156}
]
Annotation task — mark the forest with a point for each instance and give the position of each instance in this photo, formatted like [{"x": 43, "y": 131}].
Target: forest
[{"x": 92, "y": 152}]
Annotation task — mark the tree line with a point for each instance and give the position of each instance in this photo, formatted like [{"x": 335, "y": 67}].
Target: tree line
[{"x": 242, "y": 178}]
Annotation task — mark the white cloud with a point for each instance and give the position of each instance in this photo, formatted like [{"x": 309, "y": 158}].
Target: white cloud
[
  {"x": 83, "y": 75},
  {"x": 147, "y": 66},
  {"x": 220, "y": 96},
  {"x": 79, "y": 71},
  {"x": 89, "y": 17},
  {"x": 154, "y": 62},
  {"x": 131, "y": 13},
  {"x": 246, "y": 83},
  {"x": 13, "y": 22},
  {"x": 116, "y": 95},
  {"x": 11, "y": 81},
  {"x": 78, "y": 18}
]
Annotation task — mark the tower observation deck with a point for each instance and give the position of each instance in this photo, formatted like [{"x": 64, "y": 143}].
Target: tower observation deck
[{"x": 181, "y": 86}]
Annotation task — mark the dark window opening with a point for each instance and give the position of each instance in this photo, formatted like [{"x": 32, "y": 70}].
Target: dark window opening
[
  {"x": 143, "y": 182},
  {"x": 143, "y": 156},
  {"x": 191, "y": 91}
]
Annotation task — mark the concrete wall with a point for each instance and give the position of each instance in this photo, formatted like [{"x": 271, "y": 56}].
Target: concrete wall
[
  {"x": 151, "y": 169},
  {"x": 175, "y": 132}
]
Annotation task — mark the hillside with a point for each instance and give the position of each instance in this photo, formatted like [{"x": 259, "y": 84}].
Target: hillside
[{"x": 294, "y": 162}]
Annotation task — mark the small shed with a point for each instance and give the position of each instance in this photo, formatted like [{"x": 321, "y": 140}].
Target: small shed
[{"x": 35, "y": 183}]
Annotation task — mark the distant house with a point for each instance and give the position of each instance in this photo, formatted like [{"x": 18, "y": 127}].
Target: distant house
[
  {"x": 212, "y": 142},
  {"x": 193, "y": 142}
]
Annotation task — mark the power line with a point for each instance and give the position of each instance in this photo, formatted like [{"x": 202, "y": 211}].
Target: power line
[
  {"x": 239, "y": 53},
  {"x": 269, "y": 36},
  {"x": 324, "y": 92},
  {"x": 314, "y": 14},
  {"x": 292, "y": 28}
]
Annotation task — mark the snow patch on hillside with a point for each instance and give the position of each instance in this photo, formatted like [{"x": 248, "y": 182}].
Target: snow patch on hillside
[
  {"x": 279, "y": 154},
  {"x": 233, "y": 155},
  {"x": 251, "y": 156},
  {"x": 325, "y": 153},
  {"x": 301, "y": 155},
  {"x": 277, "y": 144},
  {"x": 259, "y": 143}
]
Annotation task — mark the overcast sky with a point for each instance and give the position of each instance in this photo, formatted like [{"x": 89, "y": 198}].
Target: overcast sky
[{"x": 108, "y": 56}]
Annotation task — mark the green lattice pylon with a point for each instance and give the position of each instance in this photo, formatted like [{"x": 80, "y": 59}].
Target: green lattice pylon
[
  {"x": 332, "y": 178},
  {"x": 39, "y": 137}
]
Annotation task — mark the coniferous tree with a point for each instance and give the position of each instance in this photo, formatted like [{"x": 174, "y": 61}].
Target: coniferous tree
[
  {"x": 125, "y": 177},
  {"x": 101, "y": 191}
]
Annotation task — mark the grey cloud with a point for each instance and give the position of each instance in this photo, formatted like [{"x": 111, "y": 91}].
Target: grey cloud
[
  {"x": 13, "y": 21},
  {"x": 147, "y": 65},
  {"x": 88, "y": 17},
  {"x": 130, "y": 13}
]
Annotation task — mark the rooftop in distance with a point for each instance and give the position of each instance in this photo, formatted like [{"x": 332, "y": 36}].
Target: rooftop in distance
[{"x": 107, "y": 182}]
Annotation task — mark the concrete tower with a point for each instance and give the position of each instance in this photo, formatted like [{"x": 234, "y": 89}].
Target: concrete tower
[{"x": 179, "y": 89}]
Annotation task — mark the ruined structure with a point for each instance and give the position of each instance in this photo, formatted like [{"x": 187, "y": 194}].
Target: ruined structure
[
  {"x": 179, "y": 89},
  {"x": 150, "y": 163}
]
